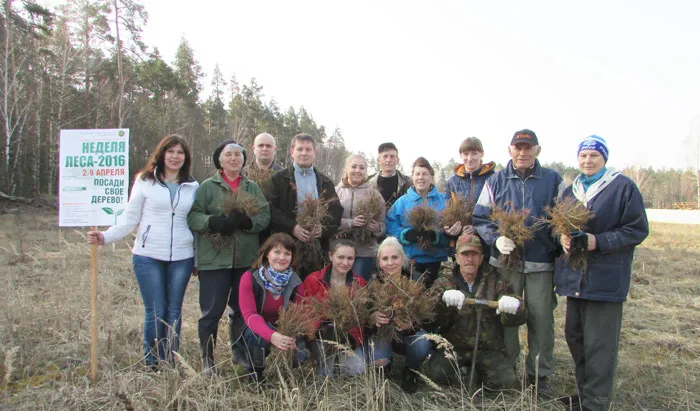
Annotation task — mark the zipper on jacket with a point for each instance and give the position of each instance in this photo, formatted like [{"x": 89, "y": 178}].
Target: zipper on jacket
[
  {"x": 144, "y": 236},
  {"x": 173, "y": 205}
]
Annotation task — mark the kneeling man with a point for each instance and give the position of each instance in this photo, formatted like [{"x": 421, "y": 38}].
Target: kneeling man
[{"x": 457, "y": 321}]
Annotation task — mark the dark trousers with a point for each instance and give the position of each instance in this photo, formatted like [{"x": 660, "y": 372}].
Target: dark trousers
[
  {"x": 593, "y": 335},
  {"x": 429, "y": 272},
  {"x": 217, "y": 290}
]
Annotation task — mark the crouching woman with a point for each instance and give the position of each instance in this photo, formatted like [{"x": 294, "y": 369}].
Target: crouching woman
[
  {"x": 337, "y": 275},
  {"x": 472, "y": 279},
  {"x": 269, "y": 286}
]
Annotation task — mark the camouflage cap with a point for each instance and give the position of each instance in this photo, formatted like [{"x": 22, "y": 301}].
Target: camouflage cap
[{"x": 468, "y": 242}]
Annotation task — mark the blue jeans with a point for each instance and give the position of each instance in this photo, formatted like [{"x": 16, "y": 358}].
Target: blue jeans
[
  {"x": 364, "y": 267},
  {"x": 326, "y": 356},
  {"x": 417, "y": 349},
  {"x": 162, "y": 285}
]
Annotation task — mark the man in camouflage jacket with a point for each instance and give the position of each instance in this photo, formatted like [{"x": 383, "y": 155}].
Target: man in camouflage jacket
[{"x": 472, "y": 279}]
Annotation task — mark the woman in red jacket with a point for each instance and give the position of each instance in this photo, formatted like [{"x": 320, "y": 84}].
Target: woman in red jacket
[{"x": 336, "y": 274}]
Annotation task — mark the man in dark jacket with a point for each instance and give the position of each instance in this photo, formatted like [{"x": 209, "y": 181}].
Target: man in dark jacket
[
  {"x": 390, "y": 182},
  {"x": 288, "y": 188},
  {"x": 525, "y": 185},
  {"x": 470, "y": 278}
]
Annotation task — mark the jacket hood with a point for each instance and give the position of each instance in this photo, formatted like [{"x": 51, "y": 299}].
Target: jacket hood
[{"x": 414, "y": 196}]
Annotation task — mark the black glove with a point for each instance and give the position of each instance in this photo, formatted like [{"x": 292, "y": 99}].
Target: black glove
[
  {"x": 428, "y": 235},
  {"x": 221, "y": 224},
  {"x": 579, "y": 241},
  {"x": 411, "y": 235},
  {"x": 240, "y": 220}
]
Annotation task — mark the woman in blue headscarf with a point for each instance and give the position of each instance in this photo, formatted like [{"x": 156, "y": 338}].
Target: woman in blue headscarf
[{"x": 595, "y": 295}]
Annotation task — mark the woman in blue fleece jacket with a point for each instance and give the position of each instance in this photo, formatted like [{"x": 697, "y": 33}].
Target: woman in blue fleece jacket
[
  {"x": 595, "y": 296},
  {"x": 421, "y": 192}
]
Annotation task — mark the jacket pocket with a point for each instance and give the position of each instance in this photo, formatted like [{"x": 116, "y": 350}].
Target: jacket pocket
[
  {"x": 605, "y": 279},
  {"x": 144, "y": 236}
]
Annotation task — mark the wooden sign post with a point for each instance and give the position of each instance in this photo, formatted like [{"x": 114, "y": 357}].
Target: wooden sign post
[{"x": 93, "y": 312}]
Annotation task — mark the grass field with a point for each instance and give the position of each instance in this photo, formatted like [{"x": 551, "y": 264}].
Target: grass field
[{"x": 44, "y": 339}]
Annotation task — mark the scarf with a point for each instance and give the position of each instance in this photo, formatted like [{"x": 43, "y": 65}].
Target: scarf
[
  {"x": 585, "y": 188},
  {"x": 275, "y": 281}
]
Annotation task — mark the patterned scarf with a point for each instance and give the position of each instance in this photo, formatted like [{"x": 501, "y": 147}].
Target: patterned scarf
[
  {"x": 275, "y": 281},
  {"x": 585, "y": 195}
]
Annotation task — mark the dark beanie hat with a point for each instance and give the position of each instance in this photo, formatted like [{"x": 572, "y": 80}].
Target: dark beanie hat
[{"x": 220, "y": 148}]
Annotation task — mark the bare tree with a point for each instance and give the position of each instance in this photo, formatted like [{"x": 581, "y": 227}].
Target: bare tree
[{"x": 692, "y": 144}]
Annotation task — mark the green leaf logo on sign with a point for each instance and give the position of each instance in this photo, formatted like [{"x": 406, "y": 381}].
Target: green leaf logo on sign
[{"x": 109, "y": 211}]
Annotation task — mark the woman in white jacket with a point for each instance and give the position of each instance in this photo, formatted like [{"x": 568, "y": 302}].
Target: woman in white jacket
[{"x": 163, "y": 253}]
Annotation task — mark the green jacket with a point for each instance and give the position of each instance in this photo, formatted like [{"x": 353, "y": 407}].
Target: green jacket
[
  {"x": 459, "y": 326},
  {"x": 245, "y": 245}
]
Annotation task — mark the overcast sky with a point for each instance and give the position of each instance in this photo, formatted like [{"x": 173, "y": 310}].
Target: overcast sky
[{"x": 426, "y": 75}]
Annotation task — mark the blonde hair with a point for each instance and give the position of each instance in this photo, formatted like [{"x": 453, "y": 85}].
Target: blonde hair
[
  {"x": 345, "y": 180},
  {"x": 392, "y": 242}
]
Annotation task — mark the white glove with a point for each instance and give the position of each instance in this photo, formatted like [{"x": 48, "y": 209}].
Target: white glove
[
  {"x": 505, "y": 245},
  {"x": 453, "y": 298},
  {"x": 508, "y": 305}
]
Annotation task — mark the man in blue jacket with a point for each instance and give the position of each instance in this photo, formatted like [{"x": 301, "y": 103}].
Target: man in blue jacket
[{"x": 525, "y": 185}]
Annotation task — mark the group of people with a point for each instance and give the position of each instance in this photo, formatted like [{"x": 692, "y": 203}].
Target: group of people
[{"x": 257, "y": 272}]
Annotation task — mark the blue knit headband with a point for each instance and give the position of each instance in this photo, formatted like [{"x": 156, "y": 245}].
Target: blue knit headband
[{"x": 594, "y": 143}]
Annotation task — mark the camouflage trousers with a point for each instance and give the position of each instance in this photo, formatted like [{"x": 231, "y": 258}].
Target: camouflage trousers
[{"x": 493, "y": 369}]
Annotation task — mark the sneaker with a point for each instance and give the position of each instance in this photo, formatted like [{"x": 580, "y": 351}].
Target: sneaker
[
  {"x": 409, "y": 381},
  {"x": 570, "y": 401}
]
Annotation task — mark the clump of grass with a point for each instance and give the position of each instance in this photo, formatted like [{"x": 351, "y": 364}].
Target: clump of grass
[
  {"x": 566, "y": 217},
  {"x": 369, "y": 207},
  {"x": 258, "y": 174},
  {"x": 512, "y": 224},
  {"x": 406, "y": 302},
  {"x": 298, "y": 320},
  {"x": 424, "y": 218},
  {"x": 240, "y": 201},
  {"x": 345, "y": 307},
  {"x": 313, "y": 213},
  {"x": 457, "y": 209}
]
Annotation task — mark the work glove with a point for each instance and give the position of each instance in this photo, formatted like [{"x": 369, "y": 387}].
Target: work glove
[
  {"x": 221, "y": 224},
  {"x": 428, "y": 235},
  {"x": 240, "y": 220},
  {"x": 505, "y": 245},
  {"x": 579, "y": 241},
  {"x": 410, "y": 235},
  {"x": 508, "y": 305},
  {"x": 453, "y": 298}
]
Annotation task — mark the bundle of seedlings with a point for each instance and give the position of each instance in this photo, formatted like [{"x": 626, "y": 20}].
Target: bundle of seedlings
[
  {"x": 406, "y": 302},
  {"x": 258, "y": 174},
  {"x": 457, "y": 209},
  {"x": 569, "y": 216},
  {"x": 313, "y": 213},
  {"x": 424, "y": 219},
  {"x": 370, "y": 207},
  {"x": 298, "y": 320},
  {"x": 344, "y": 307},
  {"x": 513, "y": 224},
  {"x": 234, "y": 201}
]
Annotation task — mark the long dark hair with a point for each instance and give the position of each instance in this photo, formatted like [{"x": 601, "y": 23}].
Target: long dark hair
[
  {"x": 283, "y": 240},
  {"x": 157, "y": 159}
]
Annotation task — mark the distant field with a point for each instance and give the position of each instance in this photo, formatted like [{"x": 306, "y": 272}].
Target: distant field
[
  {"x": 44, "y": 339},
  {"x": 674, "y": 216}
]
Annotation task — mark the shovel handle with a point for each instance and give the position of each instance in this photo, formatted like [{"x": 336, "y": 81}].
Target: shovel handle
[{"x": 477, "y": 301}]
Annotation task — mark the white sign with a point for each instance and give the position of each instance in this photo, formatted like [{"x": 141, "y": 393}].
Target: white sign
[{"x": 93, "y": 183}]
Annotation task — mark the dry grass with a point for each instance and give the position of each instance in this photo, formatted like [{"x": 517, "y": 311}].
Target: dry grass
[
  {"x": 406, "y": 302},
  {"x": 240, "y": 201},
  {"x": 313, "y": 213},
  {"x": 512, "y": 224},
  {"x": 258, "y": 174},
  {"x": 457, "y": 209},
  {"x": 345, "y": 307},
  {"x": 567, "y": 217},
  {"x": 423, "y": 218},
  {"x": 369, "y": 207},
  {"x": 45, "y": 314}
]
